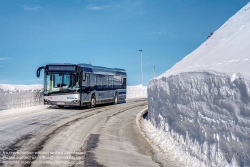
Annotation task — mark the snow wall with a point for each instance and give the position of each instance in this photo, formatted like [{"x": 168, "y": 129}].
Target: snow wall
[
  {"x": 137, "y": 91},
  {"x": 208, "y": 115},
  {"x": 201, "y": 107},
  {"x": 17, "y": 96}
]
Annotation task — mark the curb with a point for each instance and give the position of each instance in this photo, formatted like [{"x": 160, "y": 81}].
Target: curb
[{"x": 138, "y": 123}]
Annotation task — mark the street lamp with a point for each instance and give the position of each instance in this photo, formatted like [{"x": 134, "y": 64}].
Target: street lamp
[{"x": 141, "y": 68}]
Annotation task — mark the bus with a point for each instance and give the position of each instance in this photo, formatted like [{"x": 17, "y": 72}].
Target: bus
[{"x": 82, "y": 85}]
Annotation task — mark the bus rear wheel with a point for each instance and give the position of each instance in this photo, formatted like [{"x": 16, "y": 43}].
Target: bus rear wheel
[
  {"x": 115, "y": 99},
  {"x": 92, "y": 102}
]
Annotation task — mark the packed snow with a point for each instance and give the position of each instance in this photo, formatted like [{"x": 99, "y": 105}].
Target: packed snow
[
  {"x": 199, "y": 110},
  {"x": 137, "y": 91},
  {"x": 17, "y": 96}
]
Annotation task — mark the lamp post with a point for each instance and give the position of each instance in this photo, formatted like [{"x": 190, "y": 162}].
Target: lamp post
[{"x": 141, "y": 68}]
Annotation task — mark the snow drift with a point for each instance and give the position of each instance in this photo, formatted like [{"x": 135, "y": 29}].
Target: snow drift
[
  {"x": 202, "y": 104},
  {"x": 17, "y": 96},
  {"x": 137, "y": 91}
]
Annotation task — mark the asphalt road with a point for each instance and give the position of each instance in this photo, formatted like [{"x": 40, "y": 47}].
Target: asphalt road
[{"x": 104, "y": 136}]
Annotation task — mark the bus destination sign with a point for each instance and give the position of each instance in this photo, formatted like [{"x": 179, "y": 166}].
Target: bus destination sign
[{"x": 61, "y": 68}]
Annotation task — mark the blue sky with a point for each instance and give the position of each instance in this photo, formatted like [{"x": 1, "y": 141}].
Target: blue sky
[{"x": 108, "y": 32}]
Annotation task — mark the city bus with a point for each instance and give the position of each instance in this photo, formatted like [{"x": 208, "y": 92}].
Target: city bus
[{"x": 82, "y": 85}]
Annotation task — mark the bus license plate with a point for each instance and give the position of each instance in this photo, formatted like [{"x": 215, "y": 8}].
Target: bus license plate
[{"x": 60, "y": 103}]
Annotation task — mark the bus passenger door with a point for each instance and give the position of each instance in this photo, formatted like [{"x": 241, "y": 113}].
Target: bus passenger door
[{"x": 86, "y": 95}]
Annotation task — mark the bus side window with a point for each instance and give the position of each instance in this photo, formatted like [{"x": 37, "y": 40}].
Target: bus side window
[
  {"x": 111, "y": 81},
  {"x": 117, "y": 82},
  {"x": 92, "y": 82},
  {"x": 104, "y": 82},
  {"x": 99, "y": 82},
  {"x": 120, "y": 83}
]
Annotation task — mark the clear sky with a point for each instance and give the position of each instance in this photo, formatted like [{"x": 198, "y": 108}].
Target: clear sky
[{"x": 34, "y": 33}]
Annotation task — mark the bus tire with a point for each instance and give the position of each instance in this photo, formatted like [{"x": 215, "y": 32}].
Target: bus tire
[
  {"x": 60, "y": 106},
  {"x": 92, "y": 102},
  {"x": 115, "y": 99}
]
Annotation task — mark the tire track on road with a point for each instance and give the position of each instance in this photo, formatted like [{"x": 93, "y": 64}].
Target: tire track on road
[
  {"x": 35, "y": 143},
  {"x": 121, "y": 143}
]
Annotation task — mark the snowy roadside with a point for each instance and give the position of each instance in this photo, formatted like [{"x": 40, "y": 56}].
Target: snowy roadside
[
  {"x": 21, "y": 111},
  {"x": 172, "y": 149},
  {"x": 137, "y": 91},
  {"x": 19, "y": 96},
  {"x": 169, "y": 151},
  {"x": 20, "y": 99}
]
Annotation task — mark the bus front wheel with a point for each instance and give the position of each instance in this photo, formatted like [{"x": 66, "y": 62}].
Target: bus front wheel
[{"x": 92, "y": 102}]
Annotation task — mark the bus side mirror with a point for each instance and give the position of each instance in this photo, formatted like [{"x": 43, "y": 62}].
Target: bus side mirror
[
  {"x": 83, "y": 76},
  {"x": 38, "y": 71}
]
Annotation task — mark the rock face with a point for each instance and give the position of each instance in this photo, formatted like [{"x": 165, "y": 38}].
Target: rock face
[{"x": 203, "y": 102}]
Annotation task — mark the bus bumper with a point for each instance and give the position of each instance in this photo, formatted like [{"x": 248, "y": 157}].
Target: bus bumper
[{"x": 63, "y": 103}]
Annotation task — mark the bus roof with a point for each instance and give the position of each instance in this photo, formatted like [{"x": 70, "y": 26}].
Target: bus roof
[
  {"x": 94, "y": 69},
  {"x": 102, "y": 70}
]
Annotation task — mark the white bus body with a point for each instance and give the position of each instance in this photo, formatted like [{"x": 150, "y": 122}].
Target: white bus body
[{"x": 82, "y": 85}]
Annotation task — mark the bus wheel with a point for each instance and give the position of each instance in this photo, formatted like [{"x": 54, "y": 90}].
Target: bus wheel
[
  {"x": 93, "y": 101},
  {"x": 116, "y": 99},
  {"x": 60, "y": 106}
]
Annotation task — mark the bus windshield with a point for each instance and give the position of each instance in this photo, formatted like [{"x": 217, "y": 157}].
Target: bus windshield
[{"x": 61, "y": 83}]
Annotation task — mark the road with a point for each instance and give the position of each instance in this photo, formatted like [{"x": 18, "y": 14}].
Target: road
[{"x": 103, "y": 136}]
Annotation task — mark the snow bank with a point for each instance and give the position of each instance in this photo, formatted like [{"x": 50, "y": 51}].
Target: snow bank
[
  {"x": 202, "y": 104},
  {"x": 17, "y": 96},
  {"x": 207, "y": 115},
  {"x": 137, "y": 91}
]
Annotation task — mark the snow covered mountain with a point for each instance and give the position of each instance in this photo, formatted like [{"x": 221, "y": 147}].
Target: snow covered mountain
[
  {"x": 201, "y": 106},
  {"x": 226, "y": 51}
]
